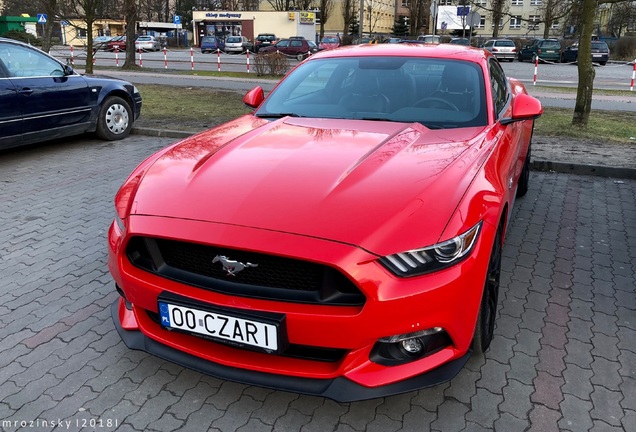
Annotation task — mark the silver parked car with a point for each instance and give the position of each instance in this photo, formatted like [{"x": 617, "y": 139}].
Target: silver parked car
[
  {"x": 503, "y": 49},
  {"x": 147, "y": 43},
  {"x": 238, "y": 44}
]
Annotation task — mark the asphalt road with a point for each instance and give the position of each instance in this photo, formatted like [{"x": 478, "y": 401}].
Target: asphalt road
[{"x": 563, "y": 357}]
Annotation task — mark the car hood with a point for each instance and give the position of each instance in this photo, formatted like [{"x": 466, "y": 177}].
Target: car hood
[{"x": 381, "y": 186}]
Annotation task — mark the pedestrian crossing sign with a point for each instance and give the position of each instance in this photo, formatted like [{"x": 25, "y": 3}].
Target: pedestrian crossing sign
[{"x": 41, "y": 18}]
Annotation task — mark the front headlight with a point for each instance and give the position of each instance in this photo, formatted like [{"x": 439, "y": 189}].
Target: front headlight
[{"x": 441, "y": 255}]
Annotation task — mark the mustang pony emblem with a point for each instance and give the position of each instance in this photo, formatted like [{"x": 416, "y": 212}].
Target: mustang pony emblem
[{"x": 230, "y": 266}]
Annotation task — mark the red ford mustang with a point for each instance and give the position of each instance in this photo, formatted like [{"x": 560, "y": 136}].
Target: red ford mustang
[{"x": 343, "y": 240}]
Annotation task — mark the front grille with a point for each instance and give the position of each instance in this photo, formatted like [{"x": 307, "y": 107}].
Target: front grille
[{"x": 273, "y": 277}]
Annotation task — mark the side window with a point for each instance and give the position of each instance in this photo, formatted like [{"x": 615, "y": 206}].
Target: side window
[
  {"x": 499, "y": 87},
  {"x": 23, "y": 62},
  {"x": 296, "y": 43},
  {"x": 282, "y": 44}
]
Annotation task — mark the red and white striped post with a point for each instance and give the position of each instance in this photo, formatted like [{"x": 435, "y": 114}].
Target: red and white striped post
[
  {"x": 72, "y": 59},
  {"x": 248, "y": 60},
  {"x": 192, "y": 58},
  {"x": 218, "y": 59},
  {"x": 631, "y": 87},
  {"x": 165, "y": 58},
  {"x": 117, "y": 56},
  {"x": 141, "y": 63},
  {"x": 536, "y": 67}
]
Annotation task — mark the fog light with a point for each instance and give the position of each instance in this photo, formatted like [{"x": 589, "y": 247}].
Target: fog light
[
  {"x": 408, "y": 347},
  {"x": 412, "y": 346}
]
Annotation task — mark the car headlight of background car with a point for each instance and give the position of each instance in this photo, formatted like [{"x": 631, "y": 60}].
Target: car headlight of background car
[{"x": 432, "y": 258}]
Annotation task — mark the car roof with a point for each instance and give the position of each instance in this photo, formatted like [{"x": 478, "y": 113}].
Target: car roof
[{"x": 415, "y": 49}]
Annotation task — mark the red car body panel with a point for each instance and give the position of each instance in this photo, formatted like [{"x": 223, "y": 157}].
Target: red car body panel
[{"x": 338, "y": 193}]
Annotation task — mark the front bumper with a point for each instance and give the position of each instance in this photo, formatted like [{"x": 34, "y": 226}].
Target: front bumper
[
  {"x": 449, "y": 299},
  {"x": 339, "y": 389}
]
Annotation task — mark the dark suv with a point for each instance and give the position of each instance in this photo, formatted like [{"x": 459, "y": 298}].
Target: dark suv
[
  {"x": 548, "y": 50},
  {"x": 600, "y": 53},
  {"x": 264, "y": 40}
]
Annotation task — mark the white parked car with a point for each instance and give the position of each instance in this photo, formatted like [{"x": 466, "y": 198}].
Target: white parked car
[
  {"x": 147, "y": 43},
  {"x": 237, "y": 44}
]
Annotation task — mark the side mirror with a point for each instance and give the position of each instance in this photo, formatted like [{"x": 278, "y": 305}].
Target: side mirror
[
  {"x": 254, "y": 97},
  {"x": 524, "y": 107}
]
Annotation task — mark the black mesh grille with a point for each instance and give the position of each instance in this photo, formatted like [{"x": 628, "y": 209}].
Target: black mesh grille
[{"x": 272, "y": 277}]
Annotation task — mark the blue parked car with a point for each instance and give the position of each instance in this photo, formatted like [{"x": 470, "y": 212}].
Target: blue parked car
[
  {"x": 42, "y": 98},
  {"x": 211, "y": 44}
]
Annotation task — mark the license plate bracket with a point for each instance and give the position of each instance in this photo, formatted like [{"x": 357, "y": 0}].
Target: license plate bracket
[{"x": 253, "y": 330}]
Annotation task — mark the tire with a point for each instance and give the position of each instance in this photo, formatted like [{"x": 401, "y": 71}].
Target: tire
[
  {"x": 115, "y": 119},
  {"x": 602, "y": 63},
  {"x": 485, "y": 328},
  {"x": 524, "y": 179},
  {"x": 300, "y": 56}
]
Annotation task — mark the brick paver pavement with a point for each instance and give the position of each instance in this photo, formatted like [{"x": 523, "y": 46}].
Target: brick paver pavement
[{"x": 564, "y": 355}]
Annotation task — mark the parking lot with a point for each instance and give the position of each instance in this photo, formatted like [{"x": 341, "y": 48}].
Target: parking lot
[{"x": 563, "y": 357}]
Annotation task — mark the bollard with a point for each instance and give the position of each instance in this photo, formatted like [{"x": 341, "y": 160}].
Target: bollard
[
  {"x": 631, "y": 87},
  {"x": 165, "y": 58},
  {"x": 192, "y": 58},
  {"x": 72, "y": 59},
  {"x": 536, "y": 67},
  {"x": 141, "y": 63},
  {"x": 248, "y": 60},
  {"x": 117, "y": 56},
  {"x": 218, "y": 59}
]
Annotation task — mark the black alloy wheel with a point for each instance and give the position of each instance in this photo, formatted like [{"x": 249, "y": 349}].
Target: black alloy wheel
[{"x": 485, "y": 328}]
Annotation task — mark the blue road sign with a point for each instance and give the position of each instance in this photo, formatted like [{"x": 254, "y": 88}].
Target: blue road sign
[
  {"x": 41, "y": 18},
  {"x": 176, "y": 20},
  {"x": 463, "y": 10}
]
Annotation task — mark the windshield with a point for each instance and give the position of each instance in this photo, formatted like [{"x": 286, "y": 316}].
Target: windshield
[
  {"x": 506, "y": 43},
  {"x": 437, "y": 93},
  {"x": 551, "y": 44}
]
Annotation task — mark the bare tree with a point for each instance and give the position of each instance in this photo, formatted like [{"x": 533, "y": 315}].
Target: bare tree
[
  {"x": 349, "y": 12},
  {"x": 90, "y": 11},
  {"x": 418, "y": 15},
  {"x": 326, "y": 7},
  {"x": 279, "y": 5},
  {"x": 375, "y": 10},
  {"x": 498, "y": 11},
  {"x": 622, "y": 15},
  {"x": 131, "y": 16}
]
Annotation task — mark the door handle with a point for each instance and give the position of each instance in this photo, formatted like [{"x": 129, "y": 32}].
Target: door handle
[{"x": 26, "y": 91}]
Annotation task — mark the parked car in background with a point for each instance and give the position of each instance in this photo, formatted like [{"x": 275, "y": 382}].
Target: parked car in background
[
  {"x": 503, "y": 49},
  {"x": 546, "y": 49},
  {"x": 392, "y": 40},
  {"x": 238, "y": 44},
  {"x": 329, "y": 42},
  {"x": 118, "y": 42},
  {"x": 600, "y": 53},
  {"x": 432, "y": 39},
  {"x": 101, "y": 42},
  {"x": 147, "y": 43},
  {"x": 353, "y": 242},
  {"x": 42, "y": 99},
  {"x": 264, "y": 40},
  {"x": 460, "y": 41},
  {"x": 298, "y": 48},
  {"x": 210, "y": 44}
]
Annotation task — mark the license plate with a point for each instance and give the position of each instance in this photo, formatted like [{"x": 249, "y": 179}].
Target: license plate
[
  {"x": 597, "y": 55},
  {"x": 218, "y": 325}
]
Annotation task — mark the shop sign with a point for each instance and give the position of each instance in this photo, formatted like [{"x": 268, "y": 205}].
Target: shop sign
[
  {"x": 223, "y": 15},
  {"x": 307, "y": 17}
]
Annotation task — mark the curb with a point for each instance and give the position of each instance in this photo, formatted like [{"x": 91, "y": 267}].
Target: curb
[{"x": 537, "y": 165}]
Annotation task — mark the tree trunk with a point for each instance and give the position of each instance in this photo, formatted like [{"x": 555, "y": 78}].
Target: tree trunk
[
  {"x": 130, "y": 13},
  {"x": 585, "y": 89},
  {"x": 50, "y": 7}
]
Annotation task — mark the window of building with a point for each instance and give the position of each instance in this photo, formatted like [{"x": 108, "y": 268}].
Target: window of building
[
  {"x": 533, "y": 23},
  {"x": 482, "y": 23},
  {"x": 555, "y": 25},
  {"x": 515, "y": 22},
  {"x": 536, "y": 2},
  {"x": 501, "y": 24},
  {"x": 517, "y": 2}
]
